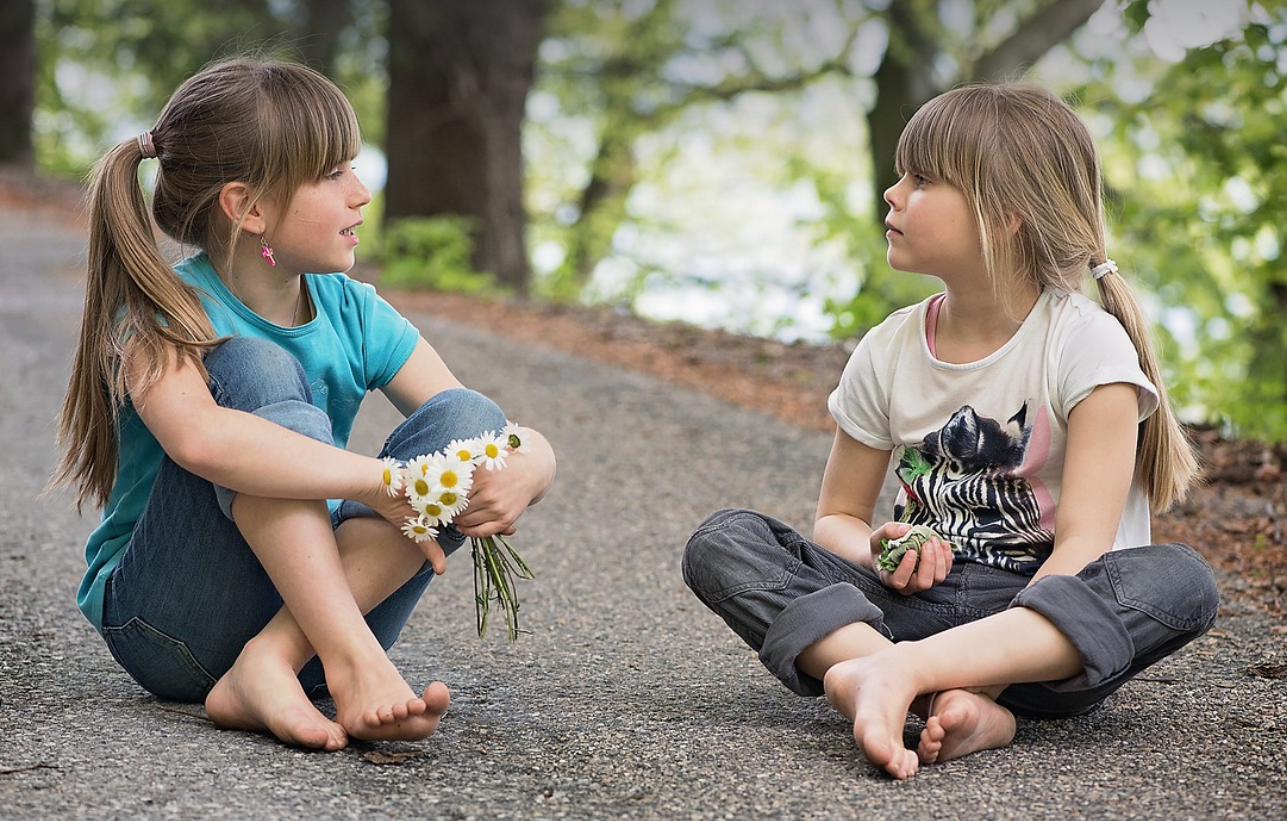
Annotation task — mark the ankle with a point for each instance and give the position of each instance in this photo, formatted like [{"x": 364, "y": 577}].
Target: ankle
[
  {"x": 907, "y": 662},
  {"x": 278, "y": 649}
]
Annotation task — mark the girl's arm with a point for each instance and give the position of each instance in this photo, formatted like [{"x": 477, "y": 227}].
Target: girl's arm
[
  {"x": 246, "y": 453},
  {"x": 1098, "y": 468},
  {"x": 498, "y": 498},
  {"x": 851, "y": 484},
  {"x": 423, "y": 375}
]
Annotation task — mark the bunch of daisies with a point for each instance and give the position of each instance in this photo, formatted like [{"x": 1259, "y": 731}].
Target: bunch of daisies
[{"x": 437, "y": 486}]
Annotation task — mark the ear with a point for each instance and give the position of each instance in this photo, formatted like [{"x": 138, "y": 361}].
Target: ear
[
  {"x": 1013, "y": 225},
  {"x": 237, "y": 203}
]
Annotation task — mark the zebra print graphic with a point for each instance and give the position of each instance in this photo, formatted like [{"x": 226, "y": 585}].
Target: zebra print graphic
[{"x": 962, "y": 481}]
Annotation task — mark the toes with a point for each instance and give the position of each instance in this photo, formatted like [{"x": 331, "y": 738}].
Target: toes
[{"x": 437, "y": 698}]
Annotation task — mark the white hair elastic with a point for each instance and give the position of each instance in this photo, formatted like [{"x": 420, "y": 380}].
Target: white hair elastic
[{"x": 1105, "y": 267}]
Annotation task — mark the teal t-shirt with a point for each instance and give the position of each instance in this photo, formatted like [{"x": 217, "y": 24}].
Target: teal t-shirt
[{"x": 355, "y": 344}]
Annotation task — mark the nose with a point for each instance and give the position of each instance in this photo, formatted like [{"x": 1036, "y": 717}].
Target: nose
[
  {"x": 891, "y": 193},
  {"x": 361, "y": 194}
]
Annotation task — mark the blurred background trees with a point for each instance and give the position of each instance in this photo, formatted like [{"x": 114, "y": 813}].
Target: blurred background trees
[{"x": 722, "y": 162}]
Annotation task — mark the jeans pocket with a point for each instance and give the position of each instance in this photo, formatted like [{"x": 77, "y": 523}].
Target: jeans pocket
[
  {"x": 162, "y": 664},
  {"x": 1170, "y": 582}
]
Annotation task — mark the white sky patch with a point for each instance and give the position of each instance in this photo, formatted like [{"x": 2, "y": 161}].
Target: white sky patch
[{"x": 1177, "y": 25}]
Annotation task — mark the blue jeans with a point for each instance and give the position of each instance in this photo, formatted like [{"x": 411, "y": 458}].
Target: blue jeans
[
  {"x": 781, "y": 593},
  {"x": 189, "y": 593}
]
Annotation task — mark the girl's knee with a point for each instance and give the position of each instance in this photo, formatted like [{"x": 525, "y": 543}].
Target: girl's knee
[
  {"x": 467, "y": 410},
  {"x": 1171, "y": 582},
  {"x": 247, "y": 373},
  {"x": 459, "y": 413},
  {"x": 722, "y": 547}
]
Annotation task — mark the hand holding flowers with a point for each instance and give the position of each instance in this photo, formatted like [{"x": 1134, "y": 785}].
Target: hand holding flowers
[{"x": 437, "y": 486}]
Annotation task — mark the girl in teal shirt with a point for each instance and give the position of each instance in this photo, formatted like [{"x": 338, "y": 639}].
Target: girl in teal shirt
[{"x": 244, "y": 557}]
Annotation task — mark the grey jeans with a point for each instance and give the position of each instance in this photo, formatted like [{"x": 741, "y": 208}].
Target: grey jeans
[{"x": 781, "y": 593}]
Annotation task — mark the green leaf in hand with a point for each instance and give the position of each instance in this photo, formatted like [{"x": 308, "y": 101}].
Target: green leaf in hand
[{"x": 893, "y": 550}]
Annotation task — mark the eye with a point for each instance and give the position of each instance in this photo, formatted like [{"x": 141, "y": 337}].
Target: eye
[{"x": 920, "y": 180}]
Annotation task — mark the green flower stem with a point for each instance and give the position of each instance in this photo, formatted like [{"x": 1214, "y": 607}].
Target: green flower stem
[{"x": 495, "y": 570}]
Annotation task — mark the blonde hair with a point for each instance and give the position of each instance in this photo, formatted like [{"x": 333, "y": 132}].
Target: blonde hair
[
  {"x": 1017, "y": 151},
  {"x": 271, "y": 125}
]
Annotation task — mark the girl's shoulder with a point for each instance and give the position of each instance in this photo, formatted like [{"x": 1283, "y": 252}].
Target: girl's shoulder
[
  {"x": 341, "y": 291},
  {"x": 1075, "y": 317}
]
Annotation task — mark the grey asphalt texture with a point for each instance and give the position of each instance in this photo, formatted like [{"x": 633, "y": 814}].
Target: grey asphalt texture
[{"x": 624, "y": 698}]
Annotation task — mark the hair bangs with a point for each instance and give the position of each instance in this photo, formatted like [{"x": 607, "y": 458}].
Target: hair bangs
[
  {"x": 312, "y": 130},
  {"x": 944, "y": 139}
]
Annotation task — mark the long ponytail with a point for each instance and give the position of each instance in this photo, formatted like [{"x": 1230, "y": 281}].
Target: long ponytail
[
  {"x": 1167, "y": 464},
  {"x": 134, "y": 298}
]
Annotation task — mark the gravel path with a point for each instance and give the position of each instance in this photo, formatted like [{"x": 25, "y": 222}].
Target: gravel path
[{"x": 625, "y": 698}]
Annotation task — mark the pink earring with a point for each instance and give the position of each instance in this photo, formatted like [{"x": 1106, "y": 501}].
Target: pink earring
[{"x": 266, "y": 251}]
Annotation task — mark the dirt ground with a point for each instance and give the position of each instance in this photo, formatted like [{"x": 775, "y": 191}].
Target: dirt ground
[{"x": 1235, "y": 519}]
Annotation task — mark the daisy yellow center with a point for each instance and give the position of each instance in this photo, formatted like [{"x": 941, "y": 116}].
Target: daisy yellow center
[
  {"x": 433, "y": 511},
  {"x": 449, "y": 478},
  {"x": 491, "y": 450},
  {"x": 388, "y": 476},
  {"x": 464, "y": 455},
  {"x": 448, "y": 498},
  {"x": 422, "y": 487}
]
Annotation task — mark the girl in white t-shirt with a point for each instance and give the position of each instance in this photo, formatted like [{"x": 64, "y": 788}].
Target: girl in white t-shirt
[{"x": 1025, "y": 424}]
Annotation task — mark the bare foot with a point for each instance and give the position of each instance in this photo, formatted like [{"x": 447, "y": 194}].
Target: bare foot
[
  {"x": 876, "y": 697},
  {"x": 962, "y": 722},
  {"x": 374, "y": 703},
  {"x": 261, "y": 693}
]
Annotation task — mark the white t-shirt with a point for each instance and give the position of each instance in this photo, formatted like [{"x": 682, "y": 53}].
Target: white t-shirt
[{"x": 979, "y": 447}]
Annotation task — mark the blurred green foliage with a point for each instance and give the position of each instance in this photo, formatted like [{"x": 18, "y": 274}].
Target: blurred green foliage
[
  {"x": 628, "y": 90},
  {"x": 433, "y": 253}
]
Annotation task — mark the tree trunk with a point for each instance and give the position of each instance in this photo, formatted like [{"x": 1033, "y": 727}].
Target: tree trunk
[
  {"x": 323, "y": 22},
  {"x": 904, "y": 81},
  {"x": 459, "y": 74},
  {"x": 17, "y": 80}
]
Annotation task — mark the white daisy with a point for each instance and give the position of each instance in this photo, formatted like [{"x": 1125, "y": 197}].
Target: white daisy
[
  {"x": 450, "y": 503},
  {"x": 492, "y": 451},
  {"x": 418, "y": 466},
  {"x": 419, "y": 530},
  {"x": 446, "y": 472},
  {"x": 431, "y": 511},
  {"x": 466, "y": 450},
  {"x": 418, "y": 485},
  {"x": 513, "y": 436},
  {"x": 391, "y": 476}
]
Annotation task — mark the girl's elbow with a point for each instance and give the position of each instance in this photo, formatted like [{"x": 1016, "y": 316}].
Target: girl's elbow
[{"x": 195, "y": 452}]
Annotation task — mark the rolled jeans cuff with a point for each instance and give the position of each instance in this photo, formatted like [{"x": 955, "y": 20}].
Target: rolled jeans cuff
[
  {"x": 294, "y": 414},
  {"x": 806, "y": 621},
  {"x": 1095, "y": 629}
]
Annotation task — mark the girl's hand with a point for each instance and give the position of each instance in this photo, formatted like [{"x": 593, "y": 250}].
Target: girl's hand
[
  {"x": 396, "y": 510},
  {"x": 499, "y": 497},
  {"x": 913, "y": 575}
]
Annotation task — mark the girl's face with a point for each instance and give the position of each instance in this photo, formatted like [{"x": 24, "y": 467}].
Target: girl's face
[
  {"x": 316, "y": 235},
  {"x": 930, "y": 228}
]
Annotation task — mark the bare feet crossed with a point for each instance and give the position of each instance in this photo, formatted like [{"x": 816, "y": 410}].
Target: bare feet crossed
[
  {"x": 876, "y": 698},
  {"x": 961, "y": 722},
  {"x": 374, "y": 703},
  {"x": 261, "y": 693}
]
